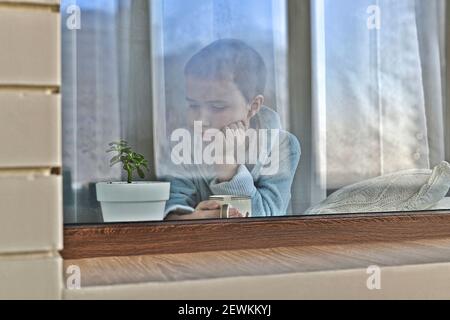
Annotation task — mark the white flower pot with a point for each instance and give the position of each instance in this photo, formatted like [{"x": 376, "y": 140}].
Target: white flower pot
[{"x": 138, "y": 201}]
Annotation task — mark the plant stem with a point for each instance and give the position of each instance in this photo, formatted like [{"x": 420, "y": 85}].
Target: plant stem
[{"x": 130, "y": 176}]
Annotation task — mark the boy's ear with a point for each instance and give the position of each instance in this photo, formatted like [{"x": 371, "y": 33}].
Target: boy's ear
[{"x": 255, "y": 106}]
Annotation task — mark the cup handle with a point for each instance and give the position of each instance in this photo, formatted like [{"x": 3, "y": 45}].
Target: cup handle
[{"x": 225, "y": 211}]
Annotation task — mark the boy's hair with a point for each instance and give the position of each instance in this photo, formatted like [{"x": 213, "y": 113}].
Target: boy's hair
[{"x": 231, "y": 59}]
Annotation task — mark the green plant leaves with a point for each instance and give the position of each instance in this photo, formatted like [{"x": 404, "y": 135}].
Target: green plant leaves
[
  {"x": 115, "y": 160},
  {"x": 130, "y": 160},
  {"x": 141, "y": 173}
]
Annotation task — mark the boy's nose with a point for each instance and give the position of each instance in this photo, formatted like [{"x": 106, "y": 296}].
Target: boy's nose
[{"x": 204, "y": 117}]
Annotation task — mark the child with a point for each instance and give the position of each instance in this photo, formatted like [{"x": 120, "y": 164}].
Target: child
[{"x": 225, "y": 85}]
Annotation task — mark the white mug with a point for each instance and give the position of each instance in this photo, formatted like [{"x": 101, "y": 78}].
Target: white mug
[{"x": 243, "y": 204}]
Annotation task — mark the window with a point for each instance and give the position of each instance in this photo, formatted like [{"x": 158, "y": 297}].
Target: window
[{"x": 377, "y": 106}]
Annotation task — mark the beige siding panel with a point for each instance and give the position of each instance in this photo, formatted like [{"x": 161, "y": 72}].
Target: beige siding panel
[
  {"x": 31, "y": 277},
  {"x": 44, "y": 2},
  {"x": 30, "y": 127},
  {"x": 30, "y": 213},
  {"x": 32, "y": 40}
]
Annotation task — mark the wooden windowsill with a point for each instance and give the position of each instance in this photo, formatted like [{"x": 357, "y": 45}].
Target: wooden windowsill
[
  {"x": 113, "y": 240},
  {"x": 169, "y": 268},
  {"x": 291, "y": 257}
]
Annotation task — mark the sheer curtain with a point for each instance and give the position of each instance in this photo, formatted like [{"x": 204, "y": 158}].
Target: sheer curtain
[
  {"x": 106, "y": 96},
  {"x": 381, "y": 89}
]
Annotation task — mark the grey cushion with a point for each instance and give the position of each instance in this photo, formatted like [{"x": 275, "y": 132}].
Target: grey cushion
[{"x": 410, "y": 190}]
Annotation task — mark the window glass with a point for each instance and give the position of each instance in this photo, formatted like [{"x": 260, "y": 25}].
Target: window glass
[{"x": 197, "y": 100}]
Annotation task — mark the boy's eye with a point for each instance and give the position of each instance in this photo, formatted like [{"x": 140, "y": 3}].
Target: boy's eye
[
  {"x": 194, "y": 106},
  {"x": 218, "y": 108}
]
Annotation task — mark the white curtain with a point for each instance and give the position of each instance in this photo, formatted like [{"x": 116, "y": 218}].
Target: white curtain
[
  {"x": 107, "y": 96},
  {"x": 383, "y": 87}
]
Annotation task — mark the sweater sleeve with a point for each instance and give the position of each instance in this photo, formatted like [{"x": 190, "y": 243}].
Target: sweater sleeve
[
  {"x": 270, "y": 194},
  {"x": 183, "y": 193}
]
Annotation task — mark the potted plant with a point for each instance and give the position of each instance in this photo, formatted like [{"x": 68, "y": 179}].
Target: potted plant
[{"x": 131, "y": 201}]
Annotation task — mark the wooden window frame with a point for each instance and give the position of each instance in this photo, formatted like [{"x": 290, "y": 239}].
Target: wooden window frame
[
  {"x": 103, "y": 240},
  {"x": 91, "y": 241}
]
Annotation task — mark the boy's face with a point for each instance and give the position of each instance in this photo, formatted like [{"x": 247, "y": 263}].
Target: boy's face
[{"x": 216, "y": 103}]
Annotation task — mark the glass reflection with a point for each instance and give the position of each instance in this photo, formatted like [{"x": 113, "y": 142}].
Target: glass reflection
[{"x": 203, "y": 90}]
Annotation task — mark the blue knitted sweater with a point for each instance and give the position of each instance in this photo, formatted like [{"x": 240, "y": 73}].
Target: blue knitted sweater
[{"x": 270, "y": 194}]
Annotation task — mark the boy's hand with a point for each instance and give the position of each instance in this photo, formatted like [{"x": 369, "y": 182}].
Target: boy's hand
[
  {"x": 226, "y": 172},
  {"x": 205, "y": 210},
  {"x": 211, "y": 210},
  {"x": 239, "y": 129}
]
